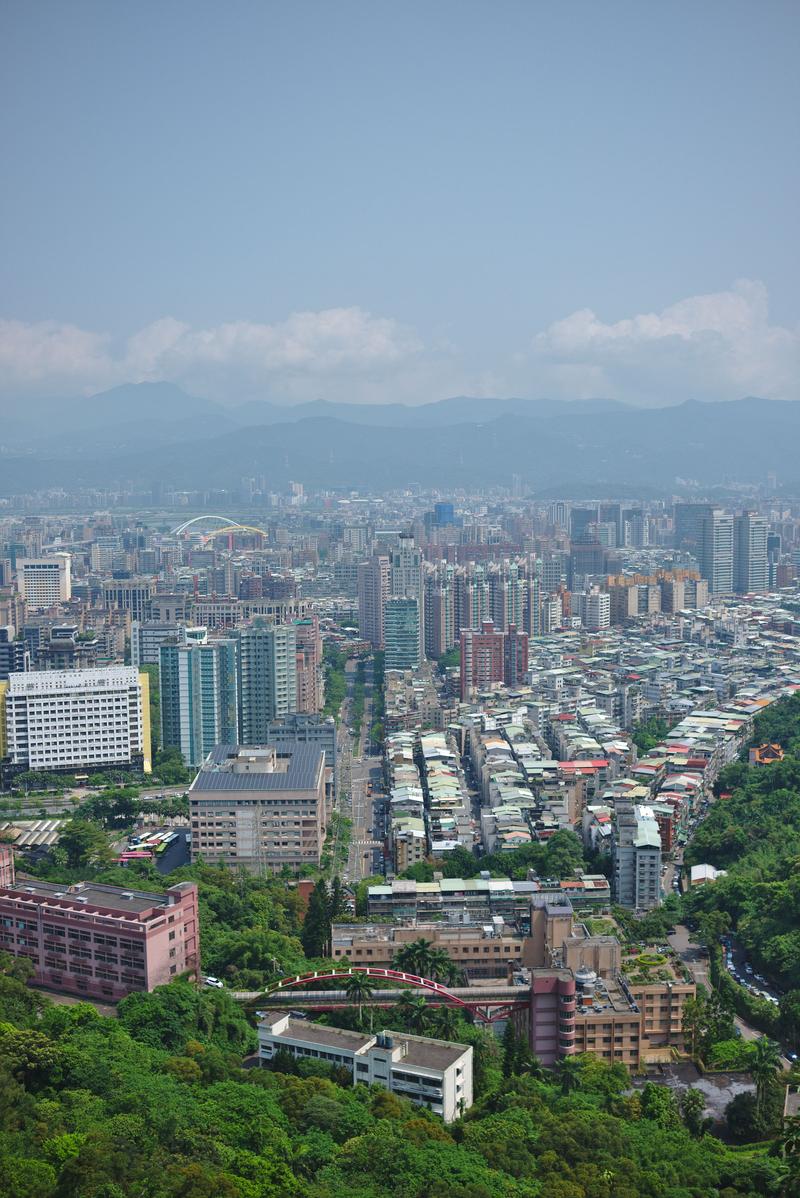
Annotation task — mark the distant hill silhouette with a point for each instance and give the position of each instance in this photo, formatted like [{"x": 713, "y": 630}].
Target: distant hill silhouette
[{"x": 167, "y": 436}]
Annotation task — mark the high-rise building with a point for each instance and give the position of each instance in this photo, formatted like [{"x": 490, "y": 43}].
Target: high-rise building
[
  {"x": 199, "y": 697},
  {"x": 308, "y": 665},
  {"x": 147, "y": 637},
  {"x": 267, "y": 668},
  {"x": 687, "y": 526},
  {"x": 751, "y": 566},
  {"x": 77, "y": 719},
  {"x": 45, "y": 582},
  {"x": 373, "y": 591},
  {"x": 129, "y": 594},
  {"x": 482, "y": 662},
  {"x": 774, "y": 545},
  {"x": 439, "y": 611},
  {"x": 402, "y": 633},
  {"x": 515, "y": 656},
  {"x": 264, "y": 810},
  {"x": 406, "y": 580},
  {"x": 594, "y": 609},
  {"x": 14, "y": 654},
  {"x": 715, "y": 527},
  {"x": 637, "y": 857}
]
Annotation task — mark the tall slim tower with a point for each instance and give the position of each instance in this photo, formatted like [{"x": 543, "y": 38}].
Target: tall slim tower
[
  {"x": 750, "y": 556},
  {"x": 716, "y": 550},
  {"x": 199, "y": 702},
  {"x": 406, "y": 580},
  {"x": 373, "y": 591},
  {"x": 267, "y": 668}
]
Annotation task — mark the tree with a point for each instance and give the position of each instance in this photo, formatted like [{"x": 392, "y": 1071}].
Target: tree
[
  {"x": 658, "y": 1104},
  {"x": 84, "y": 844},
  {"x": 337, "y": 899},
  {"x": 415, "y": 957},
  {"x": 316, "y": 932},
  {"x": 790, "y": 1016},
  {"x": 444, "y": 1023},
  {"x": 358, "y": 987},
  {"x": 412, "y": 1010},
  {"x": 442, "y": 967},
  {"x": 509, "y": 1049},
  {"x": 568, "y": 1072},
  {"x": 764, "y": 1069},
  {"x": 693, "y": 1105}
]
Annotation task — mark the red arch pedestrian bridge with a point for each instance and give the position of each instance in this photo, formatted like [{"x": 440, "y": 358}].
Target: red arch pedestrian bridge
[{"x": 486, "y": 1003}]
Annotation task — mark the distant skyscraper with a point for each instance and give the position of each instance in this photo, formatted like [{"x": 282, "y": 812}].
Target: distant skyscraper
[
  {"x": 716, "y": 550},
  {"x": 579, "y": 520},
  {"x": 199, "y": 700},
  {"x": 751, "y": 564},
  {"x": 774, "y": 545},
  {"x": 373, "y": 591},
  {"x": 406, "y": 580},
  {"x": 309, "y": 665},
  {"x": 687, "y": 529},
  {"x": 267, "y": 667},
  {"x": 402, "y": 633}
]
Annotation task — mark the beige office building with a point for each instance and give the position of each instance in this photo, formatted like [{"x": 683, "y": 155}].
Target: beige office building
[{"x": 255, "y": 807}]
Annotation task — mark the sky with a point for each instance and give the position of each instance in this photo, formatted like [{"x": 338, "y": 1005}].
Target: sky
[{"x": 399, "y": 201}]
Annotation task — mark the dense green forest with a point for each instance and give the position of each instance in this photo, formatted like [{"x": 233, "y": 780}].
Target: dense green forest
[
  {"x": 156, "y": 1104},
  {"x": 754, "y": 834}
]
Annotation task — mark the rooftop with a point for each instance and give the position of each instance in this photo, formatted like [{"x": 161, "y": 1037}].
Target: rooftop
[
  {"x": 235, "y": 767},
  {"x": 92, "y": 894}
]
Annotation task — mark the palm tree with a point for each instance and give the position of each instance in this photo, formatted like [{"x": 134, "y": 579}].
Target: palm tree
[
  {"x": 568, "y": 1071},
  {"x": 442, "y": 968},
  {"x": 445, "y": 1023},
  {"x": 766, "y": 1065},
  {"x": 414, "y": 957},
  {"x": 413, "y": 1010},
  {"x": 358, "y": 987}
]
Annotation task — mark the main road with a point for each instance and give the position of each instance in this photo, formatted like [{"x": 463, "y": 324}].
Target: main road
[{"x": 360, "y": 781}]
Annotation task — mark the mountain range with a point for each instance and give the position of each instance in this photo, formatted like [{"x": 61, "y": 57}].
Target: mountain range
[{"x": 156, "y": 433}]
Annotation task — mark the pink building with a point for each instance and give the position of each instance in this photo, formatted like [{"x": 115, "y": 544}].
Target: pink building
[
  {"x": 101, "y": 941},
  {"x": 491, "y": 658},
  {"x": 6, "y": 865}
]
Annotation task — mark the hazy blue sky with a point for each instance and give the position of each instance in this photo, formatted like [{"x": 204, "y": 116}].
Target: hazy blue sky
[{"x": 404, "y": 200}]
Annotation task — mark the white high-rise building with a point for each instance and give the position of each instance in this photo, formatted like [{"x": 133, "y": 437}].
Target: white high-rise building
[
  {"x": 77, "y": 719},
  {"x": 594, "y": 609},
  {"x": 750, "y": 558},
  {"x": 45, "y": 581},
  {"x": 716, "y": 550}
]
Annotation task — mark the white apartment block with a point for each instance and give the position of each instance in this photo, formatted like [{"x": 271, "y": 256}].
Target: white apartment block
[
  {"x": 77, "y": 719},
  {"x": 45, "y": 582},
  {"x": 431, "y": 1073}
]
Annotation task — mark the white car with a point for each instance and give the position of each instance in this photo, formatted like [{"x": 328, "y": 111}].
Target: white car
[{"x": 215, "y": 982}]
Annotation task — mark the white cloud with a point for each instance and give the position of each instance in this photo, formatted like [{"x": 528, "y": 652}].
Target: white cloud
[
  {"x": 307, "y": 354},
  {"x": 718, "y": 346}
]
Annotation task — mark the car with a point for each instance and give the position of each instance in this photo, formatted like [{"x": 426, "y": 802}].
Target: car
[{"x": 212, "y": 981}]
